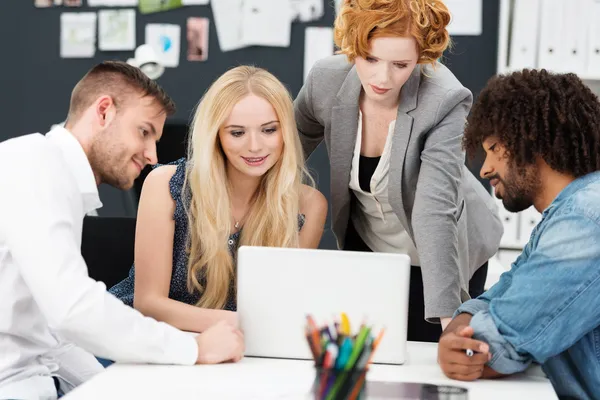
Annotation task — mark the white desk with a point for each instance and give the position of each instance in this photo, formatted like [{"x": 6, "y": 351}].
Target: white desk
[{"x": 256, "y": 378}]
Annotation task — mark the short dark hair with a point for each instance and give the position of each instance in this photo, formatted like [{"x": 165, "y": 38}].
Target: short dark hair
[
  {"x": 118, "y": 80},
  {"x": 535, "y": 113}
]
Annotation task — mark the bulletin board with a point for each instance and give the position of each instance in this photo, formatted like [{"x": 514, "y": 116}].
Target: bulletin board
[{"x": 36, "y": 83}]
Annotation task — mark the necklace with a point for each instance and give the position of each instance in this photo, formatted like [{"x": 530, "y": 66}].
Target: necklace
[{"x": 237, "y": 223}]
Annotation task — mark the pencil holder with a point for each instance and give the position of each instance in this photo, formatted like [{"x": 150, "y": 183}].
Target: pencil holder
[{"x": 339, "y": 384}]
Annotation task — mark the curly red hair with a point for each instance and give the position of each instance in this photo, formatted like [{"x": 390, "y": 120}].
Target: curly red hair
[{"x": 359, "y": 21}]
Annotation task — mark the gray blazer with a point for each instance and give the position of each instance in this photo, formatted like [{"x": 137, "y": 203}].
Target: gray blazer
[{"x": 449, "y": 215}]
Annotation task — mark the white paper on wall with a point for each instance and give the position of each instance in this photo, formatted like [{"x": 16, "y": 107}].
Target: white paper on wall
[
  {"x": 116, "y": 30},
  {"x": 318, "y": 44},
  {"x": 266, "y": 22},
  {"x": 466, "y": 17},
  {"x": 112, "y": 3},
  {"x": 228, "y": 21},
  {"x": 307, "y": 10},
  {"x": 338, "y": 5},
  {"x": 165, "y": 39},
  {"x": 77, "y": 35}
]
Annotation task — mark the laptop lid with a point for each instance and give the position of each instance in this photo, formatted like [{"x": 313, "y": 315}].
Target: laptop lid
[{"x": 278, "y": 287}]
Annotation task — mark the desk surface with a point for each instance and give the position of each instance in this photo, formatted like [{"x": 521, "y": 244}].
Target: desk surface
[{"x": 259, "y": 378}]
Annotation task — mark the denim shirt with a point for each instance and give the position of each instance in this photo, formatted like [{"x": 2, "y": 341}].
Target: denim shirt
[{"x": 547, "y": 307}]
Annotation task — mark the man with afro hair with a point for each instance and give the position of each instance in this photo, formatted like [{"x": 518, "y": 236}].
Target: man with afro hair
[{"x": 541, "y": 135}]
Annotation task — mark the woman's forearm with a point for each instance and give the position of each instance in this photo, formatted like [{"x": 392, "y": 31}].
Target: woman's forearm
[{"x": 182, "y": 316}]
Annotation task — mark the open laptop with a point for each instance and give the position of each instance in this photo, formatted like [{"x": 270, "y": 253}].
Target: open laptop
[{"x": 278, "y": 287}]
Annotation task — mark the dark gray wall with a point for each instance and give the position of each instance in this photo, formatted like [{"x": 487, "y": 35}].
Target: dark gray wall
[{"x": 35, "y": 83}]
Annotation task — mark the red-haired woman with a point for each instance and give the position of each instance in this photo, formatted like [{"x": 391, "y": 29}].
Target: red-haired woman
[{"x": 392, "y": 118}]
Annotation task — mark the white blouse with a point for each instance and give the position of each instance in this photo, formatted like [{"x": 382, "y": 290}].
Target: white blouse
[{"x": 375, "y": 221}]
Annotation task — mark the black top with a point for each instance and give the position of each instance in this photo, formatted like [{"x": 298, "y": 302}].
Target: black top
[{"x": 366, "y": 169}]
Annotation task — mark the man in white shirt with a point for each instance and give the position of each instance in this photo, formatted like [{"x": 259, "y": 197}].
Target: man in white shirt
[{"x": 50, "y": 309}]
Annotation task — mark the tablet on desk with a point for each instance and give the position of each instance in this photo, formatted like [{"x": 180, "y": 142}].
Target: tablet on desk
[{"x": 278, "y": 287}]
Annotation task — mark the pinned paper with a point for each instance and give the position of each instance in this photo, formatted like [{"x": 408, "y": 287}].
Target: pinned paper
[
  {"x": 78, "y": 35},
  {"x": 112, "y": 3},
  {"x": 267, "y": 23},
  {"x": 318, "y": 44},
  {"x": 153, "y": 6},
  {"x": 338, "y": 6},
  {"x": 228, "y": 21},
  {"x": 307, "y": 10},
  {"x": 116, "y": 30},
  {"x": 48, "y": 3},
  {"x": 242, "y": 23},
  {"x": 466, "y": 17},
  {"x": 197, "y": 38},
  {"x": 165, "y": 39}
]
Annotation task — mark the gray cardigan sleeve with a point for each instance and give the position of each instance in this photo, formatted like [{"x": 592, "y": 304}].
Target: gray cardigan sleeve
[
  {"x": 310, "y": 130},
  {"x": 436, "y": 212}
]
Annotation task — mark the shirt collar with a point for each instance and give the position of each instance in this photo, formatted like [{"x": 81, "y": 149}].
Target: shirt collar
[
  {"x": 573, "y": 187},
  {"x": 79, "y": 166}
]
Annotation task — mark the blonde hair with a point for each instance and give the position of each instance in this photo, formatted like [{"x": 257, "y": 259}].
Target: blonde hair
[
  {"x": 359, "y": 21},
  {"x": 273, "y": 218}
]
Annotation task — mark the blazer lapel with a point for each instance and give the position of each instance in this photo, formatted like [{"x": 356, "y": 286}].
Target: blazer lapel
[
  {"x": 344, "y": 126},
  {"x": 402, "y": 133}
]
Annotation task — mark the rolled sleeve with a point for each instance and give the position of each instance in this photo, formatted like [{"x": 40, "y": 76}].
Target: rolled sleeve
[
  {"x": 505, "y": 359},
  {"x": 472, "y": 307}
]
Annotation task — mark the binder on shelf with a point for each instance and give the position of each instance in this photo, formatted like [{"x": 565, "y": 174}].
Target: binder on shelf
[
  {"x": 510, "y": 237},
  {"x": 551, "y": 40},
  {"x": 528, "y": 221},
  {"x": 575, "y": 36},
  {"x": 524, "y": 34},
  {"x": 593, "y": 45}
]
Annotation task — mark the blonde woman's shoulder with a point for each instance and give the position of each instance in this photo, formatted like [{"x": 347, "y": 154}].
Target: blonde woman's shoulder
[
  {"x": 313, "y": 205},
  {"x": 156, "y": 191},
  {"x": 312, "y": 201},
  {"x": 160, "y": 175}
]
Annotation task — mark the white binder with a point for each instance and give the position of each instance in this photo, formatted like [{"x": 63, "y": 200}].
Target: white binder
[
  {"x": 524, "y": 34},
  {"x": 510, "y": 221},
  {"x": 528, "y": 221},
  {"x": 574, "y": 38},
  {"x": 551, "y": 36},
  {"x": 593, "y": 46}
]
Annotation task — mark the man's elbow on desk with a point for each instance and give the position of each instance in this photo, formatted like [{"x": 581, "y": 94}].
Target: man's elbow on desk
[{"x": 489, "y": 373}]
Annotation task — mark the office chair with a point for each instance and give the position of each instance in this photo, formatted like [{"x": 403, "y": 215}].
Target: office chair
[{"x": 107, "y": 247}]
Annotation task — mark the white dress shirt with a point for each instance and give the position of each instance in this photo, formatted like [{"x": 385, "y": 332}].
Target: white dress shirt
[
  {"x": 46, "y": 295},
  {"x": 375, "y": 221}
]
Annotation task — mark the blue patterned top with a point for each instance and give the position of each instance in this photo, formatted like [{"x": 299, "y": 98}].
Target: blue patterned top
[{"x": 178, "y": 288}]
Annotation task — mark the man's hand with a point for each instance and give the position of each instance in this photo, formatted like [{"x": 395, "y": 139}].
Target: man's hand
[
  {"x": 452, "y": 354},
  {"x": 221, "y": 342}
]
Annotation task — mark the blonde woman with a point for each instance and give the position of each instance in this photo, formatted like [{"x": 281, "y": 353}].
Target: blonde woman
[
  {"x": 392, "y": 117},
  {"x": 242, "y": 184}
]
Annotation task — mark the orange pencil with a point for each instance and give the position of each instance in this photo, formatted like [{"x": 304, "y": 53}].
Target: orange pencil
[{"x": 375, "y": 345}]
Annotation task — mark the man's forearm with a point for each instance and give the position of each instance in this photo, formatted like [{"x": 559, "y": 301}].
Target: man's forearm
[{"x": 461, "y": 320}]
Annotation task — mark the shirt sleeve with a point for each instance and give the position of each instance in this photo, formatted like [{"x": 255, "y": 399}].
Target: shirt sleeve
[
  {"x": 39, "y": 228},
  {"x": 540, "y": 314}
]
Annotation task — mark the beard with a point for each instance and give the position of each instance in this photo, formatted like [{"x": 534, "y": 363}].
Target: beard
[
  {"x": 520, "y": 186},
  {"x": 109, "y": 160}
]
